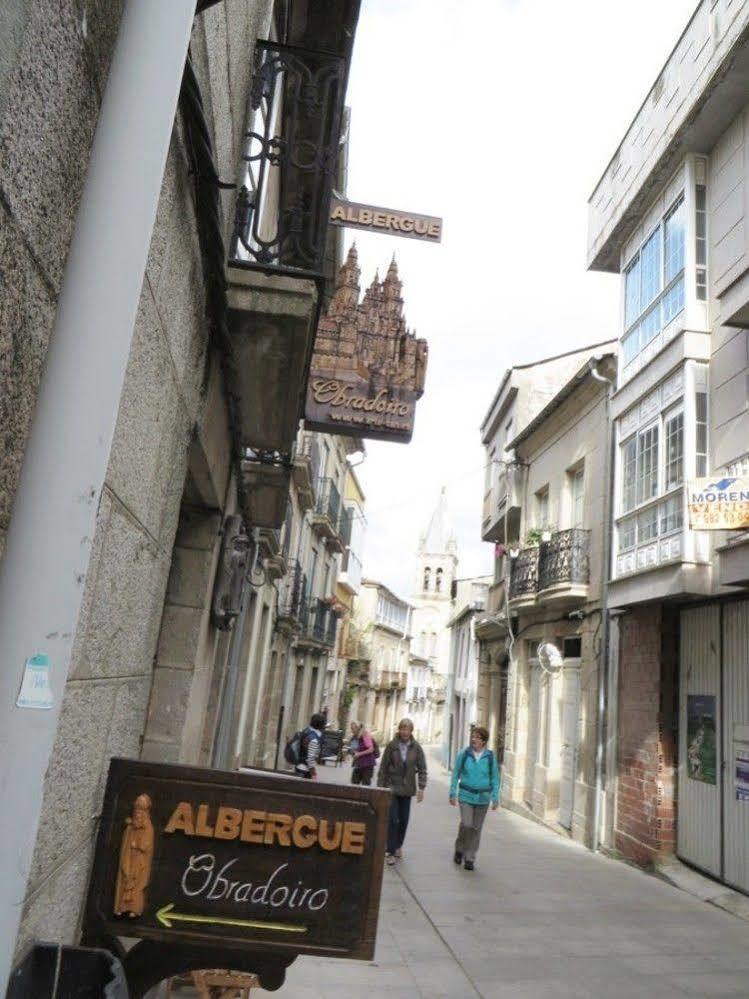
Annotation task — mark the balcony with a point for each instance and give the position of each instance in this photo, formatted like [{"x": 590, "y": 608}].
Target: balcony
[
  {"x": 269, "y": 549},
  {"x": 493, "y": 624},
  {"x": 292, "y": 610},
  {"x": 392, "y": 679},
  {"x": 351, "y": 571},
  {"x": 326, "y": 516},
  {"x": 319, "y": 629},
  {"x": 524, "y": 578},
  {"x": 564, "y": 567},
  {"x": 501, "y": 513},
  {"x": 305, "y": 470},
  {"x": 557, "y": 571}
]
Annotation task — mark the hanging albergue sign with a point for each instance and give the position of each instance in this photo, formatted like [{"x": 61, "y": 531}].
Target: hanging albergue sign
[
  {"x": 237, "y": 860},
  {"x": 718, "y": 504},
  {"x": 368, "y": 369},
  {"x": 389, "y": 221}
]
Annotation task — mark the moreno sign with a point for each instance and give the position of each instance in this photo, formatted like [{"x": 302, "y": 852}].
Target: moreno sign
[
  {"x": 253, "y": 862},
  {"x": 719, "y": 504},
  {"x": 392, "y": 222}
]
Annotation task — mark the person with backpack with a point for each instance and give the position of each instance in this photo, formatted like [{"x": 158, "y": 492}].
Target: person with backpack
[
  {"x": 303, "y": 749},
  {"x": 365, "y": 752},
  {"x": 474, "y": 785},
  {"x": 404, "y": 770}
]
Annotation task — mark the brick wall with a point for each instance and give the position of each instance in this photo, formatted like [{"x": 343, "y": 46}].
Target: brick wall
[{"x": 646, "y": 804}]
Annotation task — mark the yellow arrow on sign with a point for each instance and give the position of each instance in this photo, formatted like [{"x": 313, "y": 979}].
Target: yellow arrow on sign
[{"x": 166, "y": 916}]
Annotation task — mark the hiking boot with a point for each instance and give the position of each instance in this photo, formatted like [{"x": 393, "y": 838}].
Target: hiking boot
[
  {"x": 468, "y": 865},
  {"x": 389, "y": 859},
  {"x": 457, "y": 857}
]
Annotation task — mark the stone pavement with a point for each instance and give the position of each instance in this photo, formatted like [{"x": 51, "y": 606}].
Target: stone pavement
[{"x": 540, "y": 918}]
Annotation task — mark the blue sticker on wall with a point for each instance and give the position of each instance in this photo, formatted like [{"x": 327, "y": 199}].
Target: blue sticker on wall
[{"x": 36, "y": 690}]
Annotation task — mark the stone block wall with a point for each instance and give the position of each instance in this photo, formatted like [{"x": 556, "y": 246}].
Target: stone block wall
[
  {"x": 51, "y": 82},
  {"x": 646, "y": 799}
]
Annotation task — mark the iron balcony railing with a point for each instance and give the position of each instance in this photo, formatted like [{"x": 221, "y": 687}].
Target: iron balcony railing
[
  {"x": 524, "y": 573},
  {"x": 344, "y": 526},
  {"x": 328, "y": 503},
  {"x": 290, "y": 154},
  {"x": 309, "y": 449},
  {"x": 292, "y": 601},
  {"x": 565, "y": 559},
  {"x": 320, "y": 624}
]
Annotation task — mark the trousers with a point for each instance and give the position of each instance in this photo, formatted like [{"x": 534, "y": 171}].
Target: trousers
[
  {"x": 469, "y": 831},
  {"x": 400, "y": 811}
]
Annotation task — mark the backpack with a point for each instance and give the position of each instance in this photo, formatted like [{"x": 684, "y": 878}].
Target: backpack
[
  {"x": 492, "y": 762},
  {"x": 296, "y": 748}
]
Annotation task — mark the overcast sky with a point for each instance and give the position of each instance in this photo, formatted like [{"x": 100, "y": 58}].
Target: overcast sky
[{"x": 499, "y": 116}]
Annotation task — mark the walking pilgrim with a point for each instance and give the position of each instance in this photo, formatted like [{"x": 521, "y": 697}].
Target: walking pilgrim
[{"x": 474, "y": 786}]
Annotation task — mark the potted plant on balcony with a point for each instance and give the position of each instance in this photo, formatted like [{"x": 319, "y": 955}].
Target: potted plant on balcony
[{"x": 536, "y": 536}]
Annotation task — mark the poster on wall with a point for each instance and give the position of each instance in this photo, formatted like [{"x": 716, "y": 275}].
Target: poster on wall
[
  {"x": 701, "y": 738},
  {"x": 742, "y": 774}
]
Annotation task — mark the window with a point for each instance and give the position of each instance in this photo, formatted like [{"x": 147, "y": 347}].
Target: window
[
  {"x": 632, "y": 292},
  {"x": 542, "y": 507},
  {"x": 672, "y": 515},
  {"x": 427, "y": 573},
  {"x": 576, "y": 479},
  {"x": 650, "y": 268},
  {"x": 647, "y": 525},
  {"x": 438, "y": 581},
  {"x": 701, "y": 434},
  {"x": 700, "y": 229},
  {"x": 673, "y": 239},
  {"x": 629, "y": 474},
  {"x": 647, "y": 464},
  {"x": 674, "y": 451},
  {"x": 654, "y": 283},
  {"x": 572, "y": 647},
  {"x": 627, "y": 534}
]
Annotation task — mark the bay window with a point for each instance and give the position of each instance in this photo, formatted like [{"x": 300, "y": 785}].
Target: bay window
[
  {"x": 647, "y": 464},
  {"x": 674, "y": 471},
  {"x": 654, "y": 282}
]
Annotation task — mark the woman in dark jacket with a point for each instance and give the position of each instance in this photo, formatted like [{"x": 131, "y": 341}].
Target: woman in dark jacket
[{"x": 404, "y": 770}]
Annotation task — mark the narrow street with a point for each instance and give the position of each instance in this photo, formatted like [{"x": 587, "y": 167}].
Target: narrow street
[{"x": 540, "y": 917}]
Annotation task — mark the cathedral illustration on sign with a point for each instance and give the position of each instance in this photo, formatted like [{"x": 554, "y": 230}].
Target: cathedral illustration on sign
[{"x": 367, "y": 368}]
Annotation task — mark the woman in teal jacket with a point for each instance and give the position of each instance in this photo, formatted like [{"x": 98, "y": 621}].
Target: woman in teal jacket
[{"x": 474, "y": 785}]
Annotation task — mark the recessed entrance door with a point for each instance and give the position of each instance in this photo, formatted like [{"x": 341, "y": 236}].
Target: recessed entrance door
[
  {"x": 534, "y": 721},
  {"x": 700, "y": 738},
  {"x": 736, "y": 743},
  {"x": 570, "y": 727}
]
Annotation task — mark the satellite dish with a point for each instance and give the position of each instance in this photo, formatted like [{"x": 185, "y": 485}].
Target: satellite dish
[{"x": 550, "y": 657}]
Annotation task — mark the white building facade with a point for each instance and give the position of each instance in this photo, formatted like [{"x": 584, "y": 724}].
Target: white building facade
[{"x": 670, "y": 216}]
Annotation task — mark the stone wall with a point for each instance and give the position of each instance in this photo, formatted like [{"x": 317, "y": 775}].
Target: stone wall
[
  {"x": 49, "y": 105},
  {"x": 54, "y": 60},
  {"x": 646, "y": 805}
]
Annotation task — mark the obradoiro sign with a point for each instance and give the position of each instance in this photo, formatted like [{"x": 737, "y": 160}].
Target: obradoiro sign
[{"x": 238, "y": 859}]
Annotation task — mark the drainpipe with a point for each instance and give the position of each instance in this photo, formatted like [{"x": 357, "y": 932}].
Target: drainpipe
[
  {"x": 603, "y": 690},
  {"x": 48, "y": 546}
]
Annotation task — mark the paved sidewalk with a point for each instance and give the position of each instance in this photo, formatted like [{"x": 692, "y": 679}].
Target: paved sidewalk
[{"x": 540, "y": 918}]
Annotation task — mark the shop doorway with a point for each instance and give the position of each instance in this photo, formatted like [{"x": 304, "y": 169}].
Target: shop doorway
[{"x": 713, "y": 816}]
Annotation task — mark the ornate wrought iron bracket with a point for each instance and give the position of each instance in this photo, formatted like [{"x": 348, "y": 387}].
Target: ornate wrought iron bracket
[{"x": 291, "y": 153}]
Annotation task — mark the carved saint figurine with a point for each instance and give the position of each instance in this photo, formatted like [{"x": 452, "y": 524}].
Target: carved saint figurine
[{"x": 136, "y": 855}]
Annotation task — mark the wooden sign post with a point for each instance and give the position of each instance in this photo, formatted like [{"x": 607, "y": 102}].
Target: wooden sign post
[{"x": 212, "y": 869}]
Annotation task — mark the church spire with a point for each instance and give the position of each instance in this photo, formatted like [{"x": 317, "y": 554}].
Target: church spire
[{"x": 439, "y": 538}]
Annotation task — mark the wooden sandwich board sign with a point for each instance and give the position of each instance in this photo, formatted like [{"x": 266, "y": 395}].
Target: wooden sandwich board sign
[{"x": 241, "y": 869}]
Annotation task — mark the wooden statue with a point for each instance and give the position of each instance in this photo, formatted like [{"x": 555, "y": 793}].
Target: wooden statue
[{"x": 136, "y": 856}]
